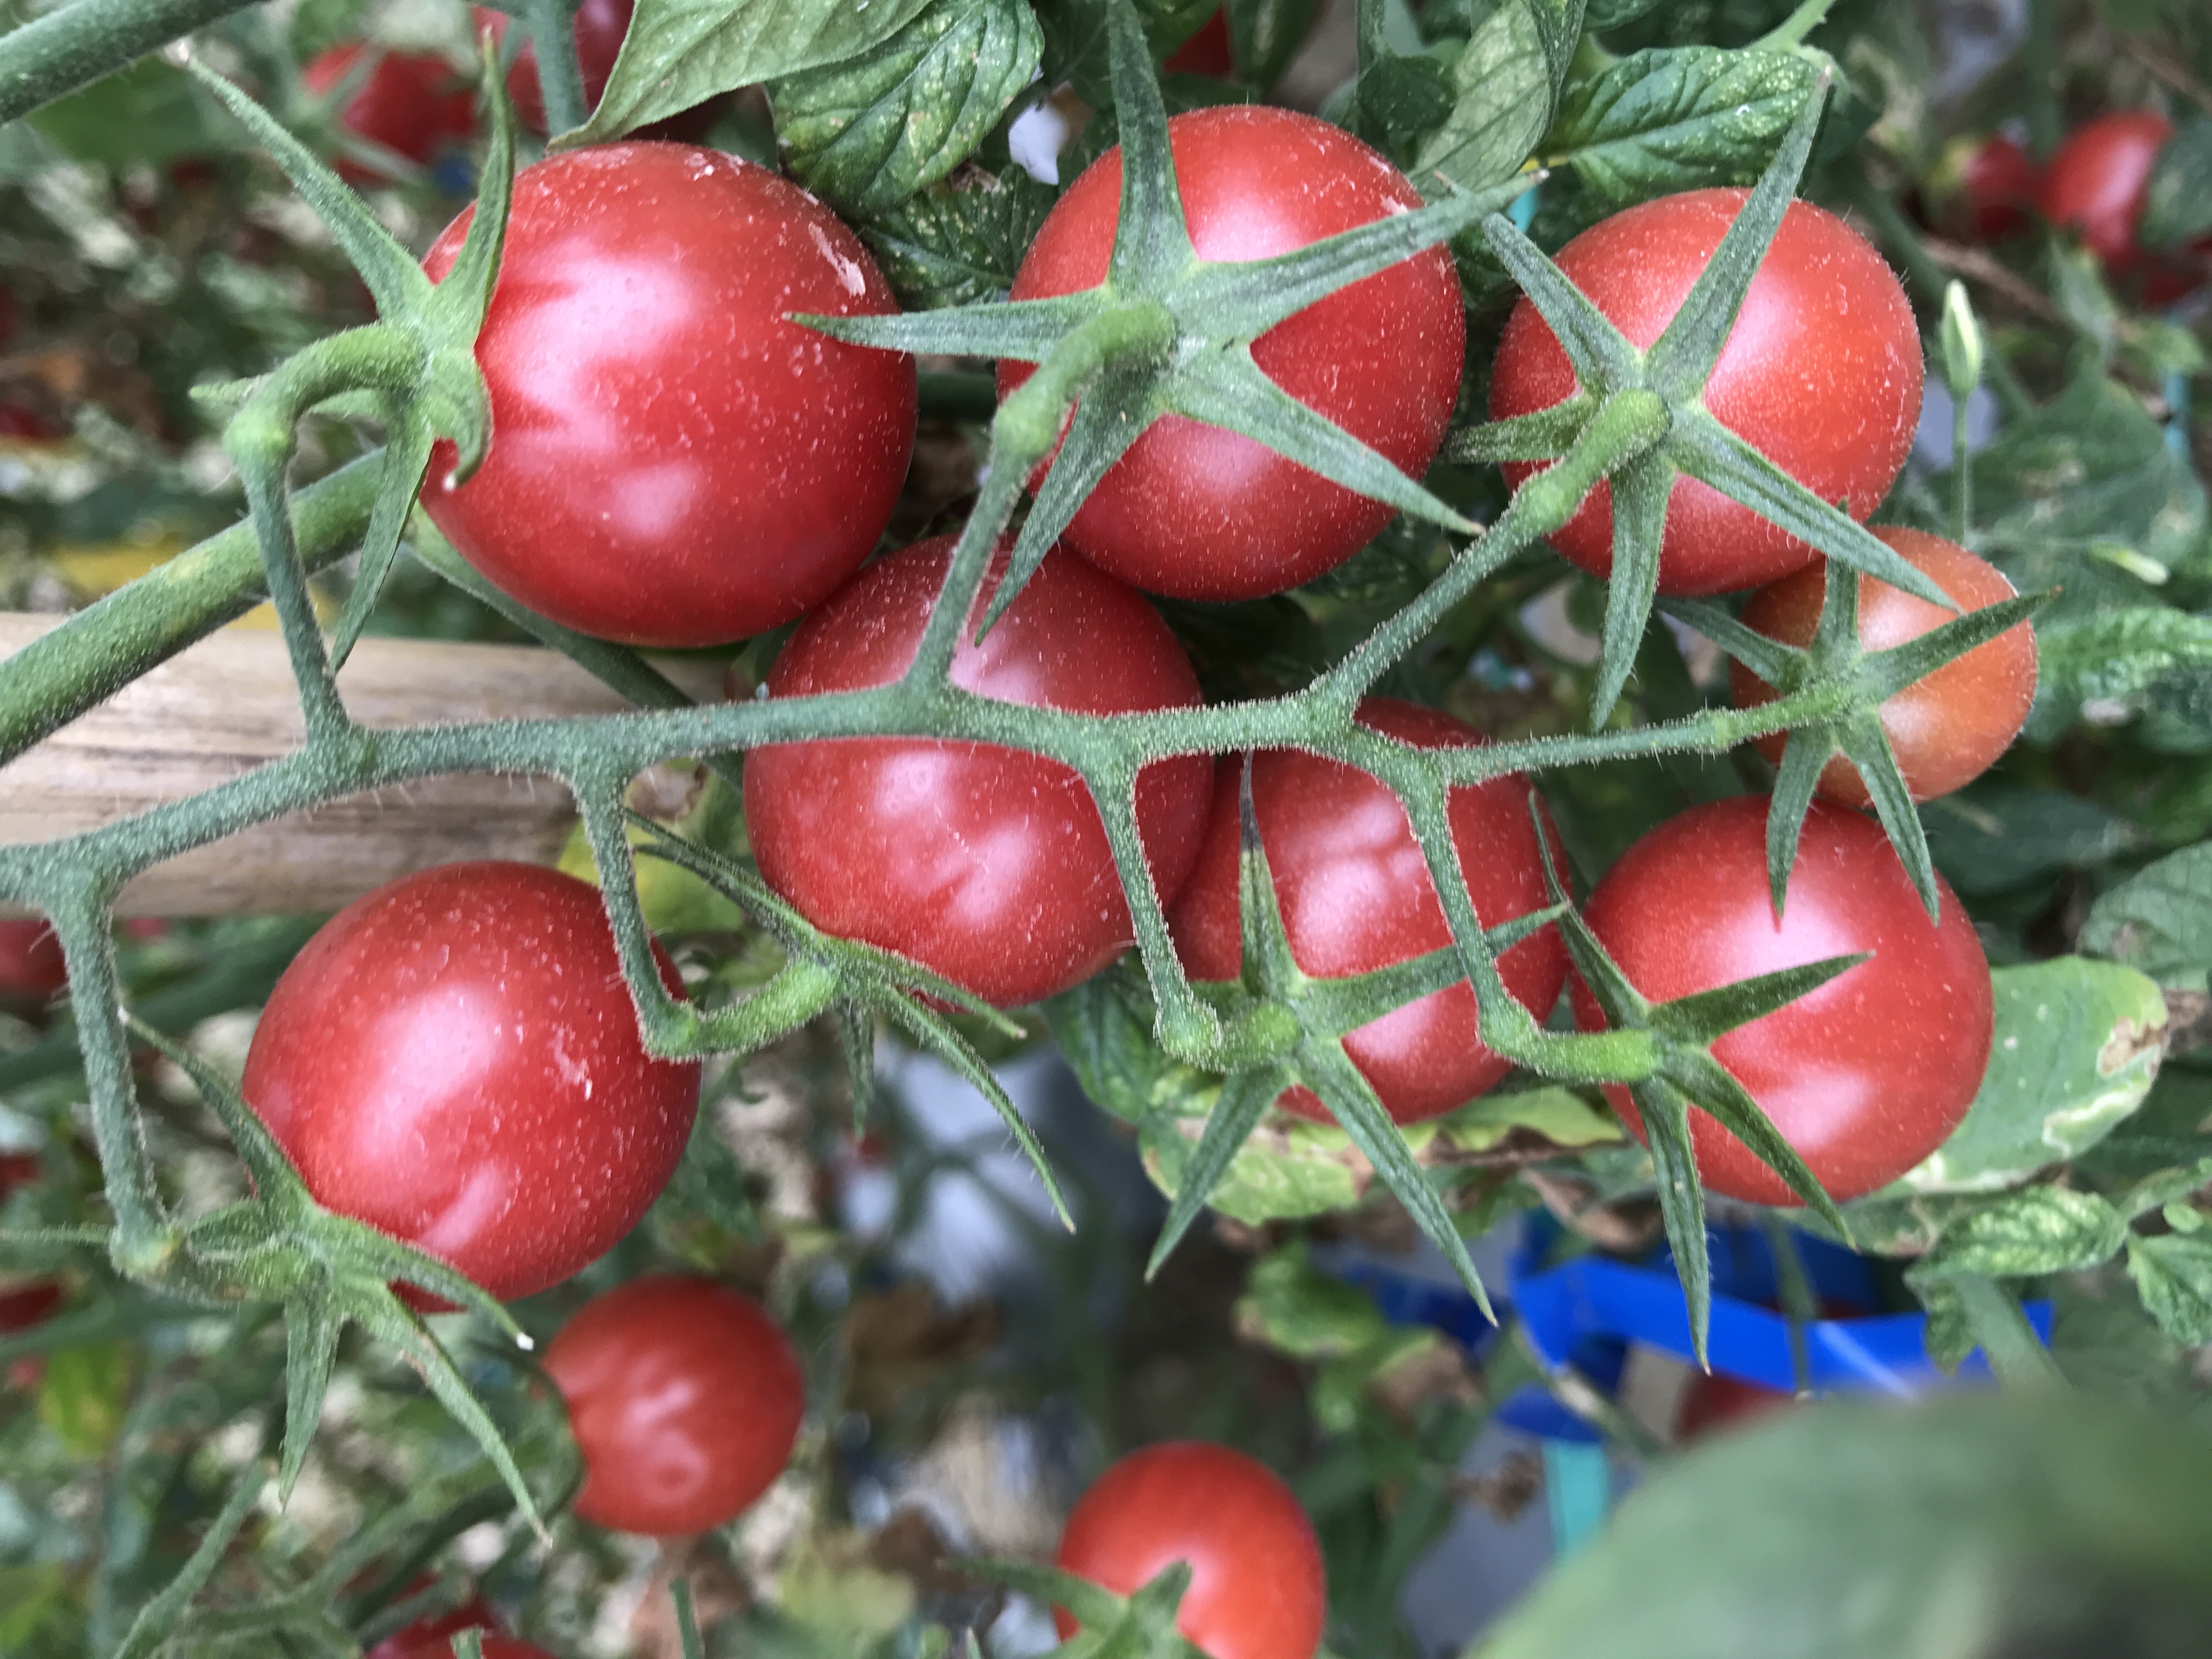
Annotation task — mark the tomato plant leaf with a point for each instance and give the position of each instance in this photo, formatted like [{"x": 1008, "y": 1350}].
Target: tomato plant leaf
[
  {"x": 2173, "y": 1274},
  {"x": 1505, "y": 84},
  {"x": 959, "y": 241},
  {"x": 1265, "y": 35},
  {"x": 1966, "y": 1512},
  {"x": 867, "y": 133},
  {"x": 2076, "y": 1047},
  {"x": 2160, "y": 921},
  {"x": 680, "y": 52},
  {"x": 2177, "y": 204},
  {"x": 2044, "y": 1230},
  {"x": 1666, "y": 119}
]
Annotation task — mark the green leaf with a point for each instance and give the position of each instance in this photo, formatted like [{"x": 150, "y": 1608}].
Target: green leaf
[
  {"x": 1671, "y": 118},
  {"x": 1977, "y": 1524},
  {"x": 1265, "y": 35},
  {"x": 2077, "y": 1047},
  {"x": 1404, "y": 99},
  {"x": 867, "y": 133},
  {"x": 2177, "y": 203},
  {"x": 1286, "y": 1170},
  {"x": 2044, "y": 1230},
  {"x": 1994, "y": 836},
  {"x": 960, "y": 241},
  {"x": 140, "y": 117},
  {"x": 2174, "y": 1276},
  {"x": 1505, "y": 84},
  {"x": 2147, "y": 656},
  {"x": 2160, "y": 921},
  {"x": 83, "y": 1395},
  {"x": 1306, "y": 1313},
  {"x": 682, "y": 53}
]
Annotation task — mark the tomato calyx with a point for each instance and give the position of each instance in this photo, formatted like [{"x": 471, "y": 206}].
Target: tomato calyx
[
  {"x": 415, "y": 368},
  {"x": 1166, "y": 334},
  {"x": 1139, "y": 1626},
  {"x": 327, "y": 1271},
  {"x": 1836, "y": 670},
  {"x": 1290, "y": 1027},
  {"x": 1682, "y": 1073},
  {"x": 1641, "y": 458},
  {"x": 822, "y": 973}
]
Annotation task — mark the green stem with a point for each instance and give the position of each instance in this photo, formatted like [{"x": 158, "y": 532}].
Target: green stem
[
  {"x": 2000, "y": 1330},
  {"x": 1625, "y": 425},
  {"x": 552, "y": 25},
  {"x": 104, "y": 647},
  {"x": 1790, "y": 32},
  {"x": 87, "y": 40},
  {"x": 1962, "y": 473},
  {"x": 144, "y": 1238},
  {"x": 262, "y": 438}
]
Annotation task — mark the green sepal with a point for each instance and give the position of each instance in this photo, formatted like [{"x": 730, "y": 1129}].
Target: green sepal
[
  {"x": 1245, "y": 1097},
  {"x": 1152, "y": 244},
  {"x": 1542, "y": 435},
  {"x": 1351, "y": 1099},
  {"x": 1640, "y": 491}
]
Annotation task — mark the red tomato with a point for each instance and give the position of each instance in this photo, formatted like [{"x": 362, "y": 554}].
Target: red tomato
[
  {"x": 1999, "y": 183},
  {"x": 32, "y": 970},
  {"x": 412, "y": 103},
  {"x": 1821, "y": 374},
  {"x": 600, "y": 26},
  {"x": 24, "y": 424},
  {"x": 432, "y": 1638},
  {"x": 1206, "y": 53},
  {"x": 2096, "y": 185},
  {"x": 17, "y": 1169},
  {"x": 455, "y": 1060},
  {"x": 1947, "y": 729},
  {"x": 673, "y": 462},
  {"x": 685, "y": 1398},
  {"x": 990, "y": 867},
  {"x": 22, "y": 1307},
  {"x": 1715, "y": 1402},
  {"x": 1868, "y": 1075},
  {"x": 1256, "y": 1585},
  {"x": 1202, "y": 513},
  {"x": 1356, "y": 896}
]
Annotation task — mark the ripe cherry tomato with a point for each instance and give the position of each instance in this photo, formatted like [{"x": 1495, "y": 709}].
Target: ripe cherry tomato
[
  {"x": 673, "y": 462},
  {"x": 2096, "y": 185},
  {"x": 1821, "y": 374},
  {"x": 600, "y": 26},
  {"x": 1202, "y": 513},
  {"x": 432, "y": 1638},
  {"x": 24, "y": 424},
  {"x": 1356, "y": 896},
  {"x": 1256, "y": 1585},
  {"x": 1715, "y": 1400},
  {"x": 1868, "y": 1074},
  {"x": 32, "y": 970},
  {"x": 455, "y": 1060},
  {"x": 1947, "y": 729},
  {"x": 685, "y": 1398},
  {"x": 990, "y": 867},
  {"x": 22, "y": 1307},
  {"x": 1206, "y": 53},
  {"x": 1999, "y": 184},
  {"x": 414, "y": 104}
]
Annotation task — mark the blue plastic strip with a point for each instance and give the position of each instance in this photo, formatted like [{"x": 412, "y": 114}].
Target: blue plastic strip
[{"x": 1577, "y": 1487}]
